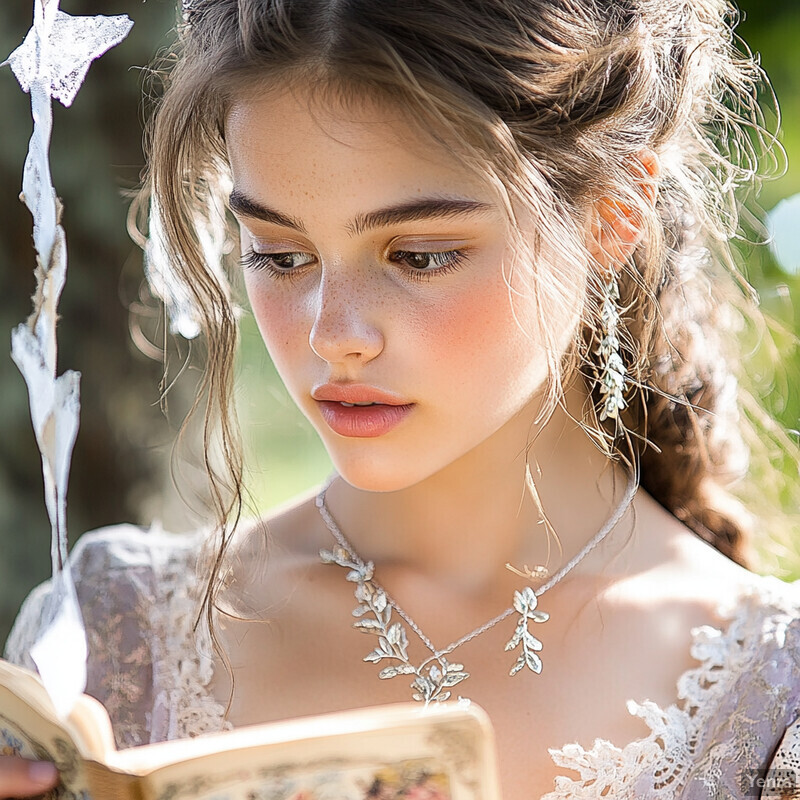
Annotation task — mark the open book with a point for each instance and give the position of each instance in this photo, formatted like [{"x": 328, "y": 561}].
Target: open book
[{"x": 444, "y": 752}]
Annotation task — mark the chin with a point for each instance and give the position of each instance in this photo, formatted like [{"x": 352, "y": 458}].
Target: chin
[{"x": 371, "y": 474}]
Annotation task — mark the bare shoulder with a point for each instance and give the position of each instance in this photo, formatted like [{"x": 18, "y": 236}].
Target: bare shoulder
[
  {"x": 675, "y": 572},
  {"x": 288, "y": 535},
  {"x": 646, "y": 616},
  {"x": 295, "y": 522}
]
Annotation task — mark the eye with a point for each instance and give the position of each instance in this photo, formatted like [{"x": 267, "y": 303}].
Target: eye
[
  {"x": 420, "y": 265},
  {"x": 279, "y": 265},
  {"x": 426, "y": 265}
]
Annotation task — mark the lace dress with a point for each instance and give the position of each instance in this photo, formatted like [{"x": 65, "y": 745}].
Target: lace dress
[{"x": 732, "y": 724}]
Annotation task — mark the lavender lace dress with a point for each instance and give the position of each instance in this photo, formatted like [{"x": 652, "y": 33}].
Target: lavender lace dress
[{"x": 735, "y": 718}]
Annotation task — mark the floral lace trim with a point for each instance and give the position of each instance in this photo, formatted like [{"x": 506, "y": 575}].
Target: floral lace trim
[
  {"x": 184, "y": 663},
  {"x": 681, "y": 746}
]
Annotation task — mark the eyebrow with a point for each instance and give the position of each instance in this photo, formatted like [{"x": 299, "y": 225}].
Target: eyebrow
[
  {"x": 411, "y": 211},
  {"x": 247, "y": 207},
  {"x": 414, "y": 210}
]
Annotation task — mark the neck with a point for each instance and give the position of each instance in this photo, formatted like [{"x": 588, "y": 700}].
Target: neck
[{"x": 463, "y": 524}]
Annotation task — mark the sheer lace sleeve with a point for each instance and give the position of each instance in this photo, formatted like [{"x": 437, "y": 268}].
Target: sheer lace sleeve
[{"x": 139, "y": 594}]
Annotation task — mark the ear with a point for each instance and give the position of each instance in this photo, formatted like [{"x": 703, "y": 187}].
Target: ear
[{"x": 615, "y": 227}]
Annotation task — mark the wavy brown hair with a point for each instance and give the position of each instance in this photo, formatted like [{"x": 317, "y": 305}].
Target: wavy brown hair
[{"x": 552, "y": 102}]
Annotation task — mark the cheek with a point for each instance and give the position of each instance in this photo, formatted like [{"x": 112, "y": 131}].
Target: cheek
[
  {"x": 466, "y": 339},
  {"x": 279, "y": 315},
  {"x": 445, "y": 328},
  {"x": 472, "y": 340},
  {"x": 496, "y": 344}
]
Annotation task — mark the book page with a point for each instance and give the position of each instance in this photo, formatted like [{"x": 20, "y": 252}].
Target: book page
[
  {"x": 26, "y": 732},
  {"x": 386, "y": 753},
  {"x": 395, "y": 752},
  {"x": 88, "y": 725},
  {"x": 29, "y": 727}
]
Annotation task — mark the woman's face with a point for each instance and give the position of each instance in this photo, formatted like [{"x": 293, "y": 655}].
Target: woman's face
[{"x": 374, "y": 263}]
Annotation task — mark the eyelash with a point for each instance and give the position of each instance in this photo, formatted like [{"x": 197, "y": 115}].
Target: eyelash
[{"x": 451, "y": 260}]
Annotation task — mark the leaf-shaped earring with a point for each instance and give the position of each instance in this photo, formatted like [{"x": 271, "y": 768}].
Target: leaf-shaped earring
[{"x": 611, "y": 374}]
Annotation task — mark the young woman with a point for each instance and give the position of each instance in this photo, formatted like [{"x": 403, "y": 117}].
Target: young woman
[{"x": 486, "y": 245}]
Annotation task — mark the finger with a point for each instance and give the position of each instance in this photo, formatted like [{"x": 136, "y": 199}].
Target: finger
[{"x": 22, "y": 778}]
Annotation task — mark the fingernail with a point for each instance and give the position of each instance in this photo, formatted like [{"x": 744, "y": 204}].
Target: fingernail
[{"x": 42, "y": 773}]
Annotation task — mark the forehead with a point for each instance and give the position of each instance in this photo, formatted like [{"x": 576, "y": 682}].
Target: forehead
[{"x": 309, "y": 144}]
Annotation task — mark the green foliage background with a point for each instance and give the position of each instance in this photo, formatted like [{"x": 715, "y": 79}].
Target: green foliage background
[{"x": 120, "y": 467}]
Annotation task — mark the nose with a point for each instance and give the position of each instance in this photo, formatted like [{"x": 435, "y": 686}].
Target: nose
[{"x": 345, "y": 319}]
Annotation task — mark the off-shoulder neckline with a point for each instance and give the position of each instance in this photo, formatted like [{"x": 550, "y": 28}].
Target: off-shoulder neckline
[{"x": 714, "y": 647}]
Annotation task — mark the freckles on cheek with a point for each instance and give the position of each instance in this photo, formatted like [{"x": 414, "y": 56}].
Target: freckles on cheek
[{"x": 279, "y": 321}]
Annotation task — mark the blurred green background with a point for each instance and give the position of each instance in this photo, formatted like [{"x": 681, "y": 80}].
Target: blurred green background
[{"x": 120, "y": 469}]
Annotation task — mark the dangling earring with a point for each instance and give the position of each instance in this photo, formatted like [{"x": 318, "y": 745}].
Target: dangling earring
[{"x": 612, "y": 372}]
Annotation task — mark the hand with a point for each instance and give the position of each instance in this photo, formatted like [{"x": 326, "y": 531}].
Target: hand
[{"x": 22, "y": 778}]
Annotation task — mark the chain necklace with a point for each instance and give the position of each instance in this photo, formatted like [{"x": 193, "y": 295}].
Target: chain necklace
[{"x": 435, "y": 676}]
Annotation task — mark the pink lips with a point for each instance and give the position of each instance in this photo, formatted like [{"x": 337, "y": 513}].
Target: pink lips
[{"x": 386, "y": 414}]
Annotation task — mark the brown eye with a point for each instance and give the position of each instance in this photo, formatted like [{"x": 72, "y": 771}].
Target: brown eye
[
  {"x": 418, "y": 260},
  {"x": 428, "y": 264},
  {"x": 277, "y": 264}
]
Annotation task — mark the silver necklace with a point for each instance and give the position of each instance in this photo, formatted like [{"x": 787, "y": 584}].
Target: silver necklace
[{"x": 436, "y": 675}]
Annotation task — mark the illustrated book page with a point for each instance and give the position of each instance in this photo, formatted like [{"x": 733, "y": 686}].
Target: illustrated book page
[{"x": 443, "y": 752}]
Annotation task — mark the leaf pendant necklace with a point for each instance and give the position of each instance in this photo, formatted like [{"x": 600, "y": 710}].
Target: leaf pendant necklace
[{"x": 434, "y": 677}]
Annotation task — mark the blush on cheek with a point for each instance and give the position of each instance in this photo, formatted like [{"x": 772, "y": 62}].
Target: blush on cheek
[
  {"x": 476, "y": 326},
  {"x": 462, "y": 327},
  {"x": 489, "y": 351},
  {"x": 458, "y": 340}
]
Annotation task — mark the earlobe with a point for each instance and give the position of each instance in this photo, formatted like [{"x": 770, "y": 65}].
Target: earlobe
[
  {"x": 615, "y": 230},
  {"x": 617, "y": 227},
  {"x": 647, "y": 170}
]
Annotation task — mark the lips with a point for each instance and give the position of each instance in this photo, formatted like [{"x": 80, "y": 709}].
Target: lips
[
  {"x": 360, "y": 411},
  {"x": 362, "y": 422},
  {"x": 357, "y": 394}
]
